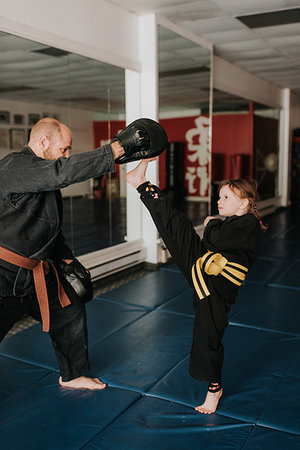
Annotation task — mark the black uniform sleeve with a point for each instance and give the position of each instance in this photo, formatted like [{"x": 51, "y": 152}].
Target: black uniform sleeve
[
  {"x": 24, "y": 172},
  {"x": 176, "y": 230}
]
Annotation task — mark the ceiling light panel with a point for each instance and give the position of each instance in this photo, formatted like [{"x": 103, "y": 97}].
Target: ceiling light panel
[
  {"x": 217, "y": 37},
  {"x": 242, "y": 46},
  {"x": 292, "y": 51},
  {"x": 284, "y": 41},
  {"x": 254, "y": 55},
  {"x": 139, "y": 6},
  {"x": 257, "y": 65},
  {"x": 292, "y": 29},
  {"x": 192, "y": 10},
  {"x": 224, "y": 23}
]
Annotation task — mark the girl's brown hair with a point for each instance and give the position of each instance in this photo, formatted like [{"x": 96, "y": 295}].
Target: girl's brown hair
[{"x": 246, "y": 189}]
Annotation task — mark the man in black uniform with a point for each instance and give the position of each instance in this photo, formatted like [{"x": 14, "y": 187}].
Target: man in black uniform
[{"x": 31, "y": 238}]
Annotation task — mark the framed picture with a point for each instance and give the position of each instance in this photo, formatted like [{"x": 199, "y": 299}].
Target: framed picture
[
  {"x": 4, "y": 117},
  {"x": 18, "y": 119},
  {"x": 4, "y": 138},
  {"x": 52, "y": 115},
  {"x": 17, "y": 138},
  {"x": 33, "y": 118}
]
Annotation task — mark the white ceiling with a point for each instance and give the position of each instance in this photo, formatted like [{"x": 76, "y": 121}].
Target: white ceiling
[{"x": 272, "y": 52}]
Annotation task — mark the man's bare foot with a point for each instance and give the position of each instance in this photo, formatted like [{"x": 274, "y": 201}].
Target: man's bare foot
[
  {"x": 83, "y": 383},
  {"x": 211, "y": 403},
  {"x": 137, "y": 176}
]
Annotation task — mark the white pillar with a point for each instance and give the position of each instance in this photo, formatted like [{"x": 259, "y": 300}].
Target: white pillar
[
  {"x": 142, "y": 101},
  {"x": 284, "y": 150},
  {"x": 133, "y": 203}
]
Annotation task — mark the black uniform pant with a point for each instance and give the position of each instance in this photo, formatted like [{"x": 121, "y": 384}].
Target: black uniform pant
[
  {"x": 68, "y": 330},
  {"x": 185, "y": 246}
]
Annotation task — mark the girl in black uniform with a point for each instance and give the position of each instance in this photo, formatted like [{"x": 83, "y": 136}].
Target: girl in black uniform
[{"x": 215, "y": 266}]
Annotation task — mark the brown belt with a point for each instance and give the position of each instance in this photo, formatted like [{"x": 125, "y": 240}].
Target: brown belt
[{"x": 39, "y": 268}]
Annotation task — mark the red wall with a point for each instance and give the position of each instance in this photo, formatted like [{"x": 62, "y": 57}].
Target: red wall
[{"x": 232, "y": 136}]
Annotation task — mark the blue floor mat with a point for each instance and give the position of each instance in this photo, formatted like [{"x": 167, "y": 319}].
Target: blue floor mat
[
  {"x": 46, "y": 416},
  {"x": 104, "y": 318},
  {"x": 273, "y": 308},
  {"x": 266, "y": 270},
  {"x": 151, "y": 290},
  {"x": 16, "y": 376},
  {"x": 180, "y": 304},
  {"x": 290, "y": 276},
  {"x": 262, "y": 438},
  {"x": 249, "y": 377},
  {"x": 281, "y": 413},
  {"x": 138, "y": 355},
  {"x": 156, "y": 424},
  {"x": 139, "y": 341}
]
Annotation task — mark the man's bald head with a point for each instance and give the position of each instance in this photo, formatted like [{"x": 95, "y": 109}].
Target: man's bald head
[
  {"x": 46, "y": 134},
  {"x": 49, "y": 127}
]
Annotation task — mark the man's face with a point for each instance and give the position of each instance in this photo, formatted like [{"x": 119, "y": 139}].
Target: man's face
[{"x": 59, "y": 146}]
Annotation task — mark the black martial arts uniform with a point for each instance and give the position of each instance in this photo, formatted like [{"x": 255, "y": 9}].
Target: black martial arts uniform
[
  {"x": 236, "y": 238},
  {"x": 30, "y": 226}
]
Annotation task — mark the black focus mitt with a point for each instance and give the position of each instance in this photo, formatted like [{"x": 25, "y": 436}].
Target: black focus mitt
[
  {"x": 142, "y": 139},
  {"x": 76, "y": 280}
]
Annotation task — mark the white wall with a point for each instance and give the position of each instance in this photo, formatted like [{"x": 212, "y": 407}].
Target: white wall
[{"x": 93, "y": 28}]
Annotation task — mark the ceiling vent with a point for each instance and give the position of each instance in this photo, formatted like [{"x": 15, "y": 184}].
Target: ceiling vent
[
  {"x": 6, "y": 89},
  {"x": 52, "y": 51},
  {"x": 271, "y": 19},
  {"x": 180, "y": 72}
]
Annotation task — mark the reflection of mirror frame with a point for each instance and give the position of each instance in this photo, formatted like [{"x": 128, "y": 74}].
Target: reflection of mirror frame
[
  {"x": 235, "y": 81},
  {"x": 165, "y": 24},
  {"x": 245, "y": 124}
]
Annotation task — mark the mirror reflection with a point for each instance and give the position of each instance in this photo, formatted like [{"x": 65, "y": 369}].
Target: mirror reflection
[
  {"x": 245, "y": 143},
  {"x": 184, "y": 92},
  {"x": 39, "y": 81}
]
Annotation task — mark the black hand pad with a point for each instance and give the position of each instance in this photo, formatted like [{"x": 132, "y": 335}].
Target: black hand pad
[
  {"x": 76, "y": 280},
  {"x": 143, "y": 138}
]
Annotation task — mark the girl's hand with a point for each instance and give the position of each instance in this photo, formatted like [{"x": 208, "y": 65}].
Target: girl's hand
[{"x": 208, "y": 218}]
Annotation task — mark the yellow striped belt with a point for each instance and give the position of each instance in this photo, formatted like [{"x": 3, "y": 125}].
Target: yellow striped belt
[{"x": 215, "y": 264}]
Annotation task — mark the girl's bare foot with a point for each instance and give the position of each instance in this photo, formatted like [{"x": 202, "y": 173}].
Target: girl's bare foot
[
  {"x": 211, "y": 403},
  {"x": 137, "y": 176},
  {"x": 83, "y": 383}
]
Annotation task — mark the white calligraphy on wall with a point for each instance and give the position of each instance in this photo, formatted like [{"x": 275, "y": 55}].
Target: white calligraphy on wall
[{"x": 198, "y": 157}]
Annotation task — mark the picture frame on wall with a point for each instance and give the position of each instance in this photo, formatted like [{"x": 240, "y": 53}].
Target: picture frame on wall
[
  {"x": 33, "y": 118},
  {"x": 4, "y": 138},
  {"x": 17, "y": 138},
  {"x": 4, "y": 117},
  {"x": 18, "y": 119}
]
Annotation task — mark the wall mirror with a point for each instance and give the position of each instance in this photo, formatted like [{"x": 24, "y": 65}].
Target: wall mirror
[
  {"x": 245, "y": 143},
  {"x": 184, "y": 99},
  {"x": 36, "y": 81}
]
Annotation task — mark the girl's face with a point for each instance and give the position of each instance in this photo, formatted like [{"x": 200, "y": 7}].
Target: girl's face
[{"x": 229, "y": 204}]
